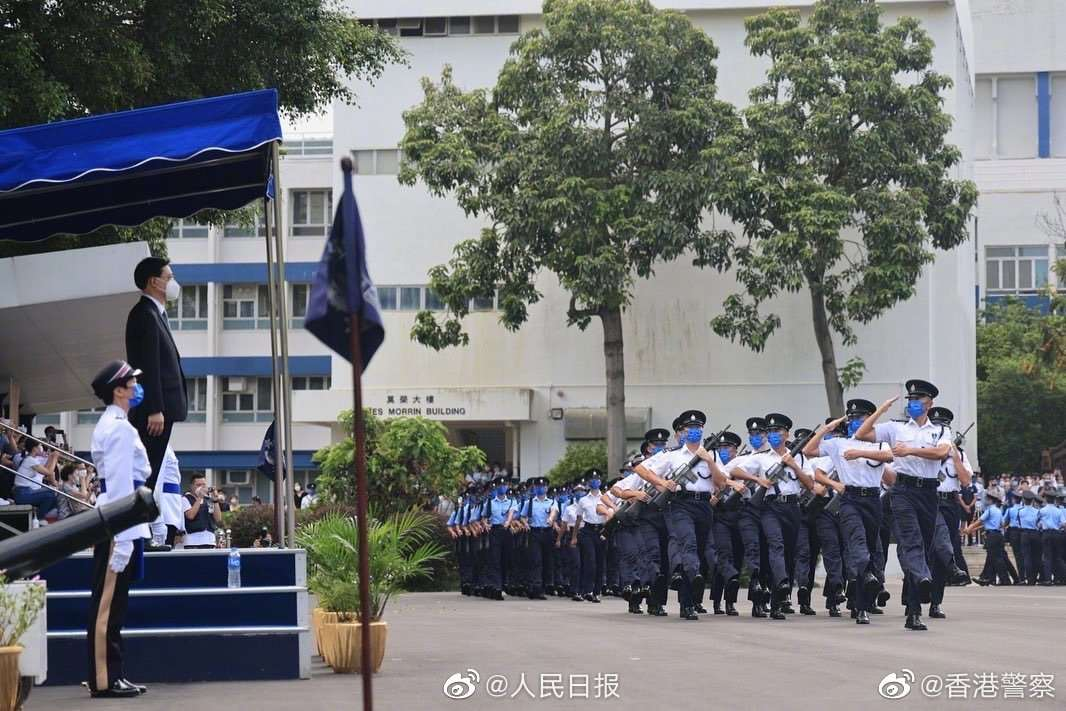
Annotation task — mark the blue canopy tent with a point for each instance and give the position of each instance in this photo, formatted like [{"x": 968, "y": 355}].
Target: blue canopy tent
[{"x": 73, "y": 177}]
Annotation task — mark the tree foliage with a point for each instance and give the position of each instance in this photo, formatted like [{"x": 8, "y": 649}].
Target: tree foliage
[
  {"x": 61, "y": 60},
  {"x": 578, "y": 458},
  {"x": 409, "y": 461},
  {"x": 1021, "y": 384},
  {"x": 850, "y": 193},
  {"x": 592, "y": 158}
]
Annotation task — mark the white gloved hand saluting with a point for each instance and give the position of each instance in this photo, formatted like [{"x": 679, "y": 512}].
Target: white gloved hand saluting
[{"x": 120, "y": 555}]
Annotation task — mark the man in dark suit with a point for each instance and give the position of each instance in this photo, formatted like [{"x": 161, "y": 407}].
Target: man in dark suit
[{"x": 150, "y": 347}]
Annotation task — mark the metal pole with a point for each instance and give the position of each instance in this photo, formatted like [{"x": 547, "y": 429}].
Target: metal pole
[
  {"x": 286, "y": 381},
  {"x": 279, "y": 521},
  {"x": 62, "y": 452},
  {"x": 50, "y": 488},
  {"x": 361, "y": 506}
]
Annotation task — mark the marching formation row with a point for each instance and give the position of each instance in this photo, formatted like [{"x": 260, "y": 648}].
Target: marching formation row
[{"x": 699, "y": 512}]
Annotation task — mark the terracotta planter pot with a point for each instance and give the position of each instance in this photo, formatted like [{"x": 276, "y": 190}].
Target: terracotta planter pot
[
  {"x": 318, "y": 618},
  {"x": 342, "y": 642},
  {"x": 9, "y": 678}
]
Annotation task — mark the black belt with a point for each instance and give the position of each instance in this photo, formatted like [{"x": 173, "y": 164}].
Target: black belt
[
  {"x": 863, "y": 490},
  {"x": 947, "y": 496},
  {"x": 784, "y": 498},
  {"x": 917, "y": 481},
  {"x": 498, "y": 525},
  {"x": 593, "y": 526},
  {"x": 695, "y": 495}
]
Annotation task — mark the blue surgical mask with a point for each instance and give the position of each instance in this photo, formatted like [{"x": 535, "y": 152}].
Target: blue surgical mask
[
  {"x": 828, "y": 436},
  {"x": 693, "y": 435},
  {"x": 756, "y": 441},
  {"x": 594, "y": 483},
  {"x": 853, "y": 427},
  {"x": 564, "y": 498},
  {"x": 540, "y": 490},
  {"x": 502, "y": 490},
  {"x": 915, "y": 409},
  {"x": 724, "y": 456},
  {"x": 657, "y": 448},
  {"x": 775, "y": 439},
  {"x": 138, "y": 396}
]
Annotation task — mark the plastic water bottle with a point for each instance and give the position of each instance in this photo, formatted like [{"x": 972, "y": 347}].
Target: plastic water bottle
[{"x": 234, "y": 566}]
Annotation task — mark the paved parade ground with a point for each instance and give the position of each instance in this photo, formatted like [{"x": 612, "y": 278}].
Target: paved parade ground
[{"x": 719, "y": 662}]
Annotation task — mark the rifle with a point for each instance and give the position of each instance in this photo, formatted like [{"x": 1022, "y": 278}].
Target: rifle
[
  {"x": 726, "y": 500},
  {"x": 811, "y": 504},
  {"x": 683, "y": 474},
  {"x": 960, "y": 437},
  {"x": 777, "y": 471}
]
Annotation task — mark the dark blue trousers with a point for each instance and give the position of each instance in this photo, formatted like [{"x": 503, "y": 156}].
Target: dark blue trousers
[
  {"x": 1031, "y": 545},
  {"x": 541, "y": 573},
  {"x": 781, "y": 526},
  {"x": 828, "y": 529},
  {"x": 627, "y": 546},
  {"x": 656, "y": 548},
  {"x": 914, "y": 521},
  {"x": 691, "y": 537},
  {"x": 1052, "y": 543},
  {"x": 860, "y": 522},
  {"x": 593, "y": 559},
  {"x": 945, "y": 557}
]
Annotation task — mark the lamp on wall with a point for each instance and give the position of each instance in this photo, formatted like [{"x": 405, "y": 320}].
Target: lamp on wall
[{"x": 556, "y": 413}]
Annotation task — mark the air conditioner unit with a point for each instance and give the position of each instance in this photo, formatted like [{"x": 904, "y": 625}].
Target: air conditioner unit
[{"x": 237, "y": 385}]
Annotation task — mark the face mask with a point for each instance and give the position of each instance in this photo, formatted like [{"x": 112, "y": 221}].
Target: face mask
[
  {"x": 693, "y": 435},
  {"x": 723, "y": 454},
  {"x": 173, "y": 290},
  {"x": 539, "y": 491},
  {"x": 138, "y": 396},
  {"x": 756, "y": 441},
  {"x": 564, "y": 498},
  {"x": 915, "y": 409},
  {"x": 656, "y": 449},
  {"x": 828, "y": 436},
  {"x": 775, "y": 439},
  {"x": 594, "y": 484},
  {"x": 853, "y": 427}
]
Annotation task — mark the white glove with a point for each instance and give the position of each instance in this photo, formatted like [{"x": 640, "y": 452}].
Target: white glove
[{"x": 120, "y": 555}]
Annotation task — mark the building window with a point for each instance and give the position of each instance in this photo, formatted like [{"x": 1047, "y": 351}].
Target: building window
[
  {"x": 312, "y": 211},
  {"x": 1016, "y": 270},
  {"x": 89, "y": 417},
  {"x": 307, "y": 146},
  {"x": 387, "y": 298},
  {"x": 238, "y": 306},
  {"x": 188, "y": 228},
  {"x": 451, "y": 26},
  {"x": 413, "y": 298},
  {"x": 433, "y": 302},
  {"x": 376, "y": 161},
  {"x": 242, "y": 484},
  {"x": 299, "y": 294},
  {"x": 196, "y": 388},
  {"x": 246, "y": 399},
  {"x": 49, "y": 419},
  {"x": 482, "y": 303},
  {"x": 311, "y": 382},
  {"x": 1006, "y": 124},
  {"x": 189, "y": 312},
  {"x": 410, "y": 298},
  {"x": 256, "y": 227}
]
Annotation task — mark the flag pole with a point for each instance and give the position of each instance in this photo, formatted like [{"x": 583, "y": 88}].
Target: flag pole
[{"x": 361, "y": 503}]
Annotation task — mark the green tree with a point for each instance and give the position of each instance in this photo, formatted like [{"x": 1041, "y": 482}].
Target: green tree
[
  {"x": 1021, "y": 384},
  {"x": 61, "y": 60},
  {"x": 592, "y": 159},
  {"x": 578, "y": 458},
  {"x": 850, "y": 193},
  {"x": 409, "y": 462}
]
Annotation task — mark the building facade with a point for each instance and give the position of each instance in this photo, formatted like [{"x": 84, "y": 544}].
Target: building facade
[{"x": 1019, "y": 146}]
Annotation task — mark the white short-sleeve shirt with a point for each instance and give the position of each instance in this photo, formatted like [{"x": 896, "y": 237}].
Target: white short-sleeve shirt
[
  {"x": 586, "y": 507},
  {"x": 855, "y": 472},
  {"x": 665, "y": 462},
  {"x": 912, "y": 434},
  {"x": 761, "y": 463}
]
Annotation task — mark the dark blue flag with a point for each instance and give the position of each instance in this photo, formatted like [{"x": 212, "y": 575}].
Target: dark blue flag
[
  {"x": 342, "y": 285},
  {"x": 266, "y": 454}
]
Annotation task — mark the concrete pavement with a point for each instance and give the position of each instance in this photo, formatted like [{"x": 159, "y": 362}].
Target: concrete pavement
[{"x": 721, "y": 662}]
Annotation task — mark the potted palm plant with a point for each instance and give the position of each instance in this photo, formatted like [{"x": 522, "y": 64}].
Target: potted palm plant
[
  {"x": 400, "y": 549},
  {"x": 18, "y": 610}
]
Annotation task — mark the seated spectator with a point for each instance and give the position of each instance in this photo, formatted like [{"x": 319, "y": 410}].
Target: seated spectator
[
  {"x": 37, "y": 468},
  {"x": 202, "y": 515},
  {"x": 234, "y": 503},
  {"x": 256, "y": 501},
  {"x": 73, "y": 481}
]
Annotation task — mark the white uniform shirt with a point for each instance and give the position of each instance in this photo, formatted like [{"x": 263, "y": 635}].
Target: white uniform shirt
[
  {"x": 630, "y": 483},
  {"x": 665, "y": 462},
  {"x": 761, "y": 463},
  {"x": 205, "y": 537},
  {"x": 951, "y": 481},
  {"x": 33, "y": 478},
  {"x": 570, "y": 514},
  {"x": 121, "y": 463},
  {"x": 586, "y": 507},
  {"x": 912, "y": 434},
  {"x": 855, "y": 472},
  {"x": 823, "y": 463},
  {"x": 170, "y": 509}
]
